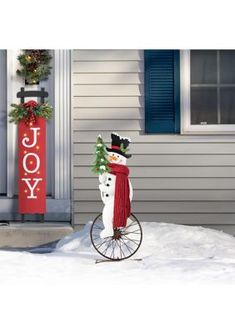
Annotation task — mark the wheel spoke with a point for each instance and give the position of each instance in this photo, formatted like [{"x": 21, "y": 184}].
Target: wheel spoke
[
  {"x": 122, "y": 248},
  {"x": 105, "y": 251},
  {"x": 132, "y": 224},
  {"x": 98, "y": 246},
  {"x": 98, "y": 227},
  {"x": 137, "y": 240},
  {"x": 132, "y": 240},
  {"x": 121, "y": 251},
  {"x": 128, "y": 247},
  {"x": 99, "y": 222},
  {"x": 113, "y": 248},
  {"x": 134, "y": 232},
  {"x": 96, "y": 235},
  {"x": 96, "y": 238}
]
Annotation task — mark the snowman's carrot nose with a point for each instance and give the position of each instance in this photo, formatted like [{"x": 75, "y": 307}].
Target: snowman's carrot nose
[{"x": 113, "y": 158}]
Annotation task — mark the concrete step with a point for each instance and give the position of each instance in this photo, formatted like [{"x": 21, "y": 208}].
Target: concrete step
[{"x": 18, "y": 235}]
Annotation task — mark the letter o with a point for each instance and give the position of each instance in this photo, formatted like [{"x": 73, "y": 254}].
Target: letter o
[{"x": 37, "y": 162}]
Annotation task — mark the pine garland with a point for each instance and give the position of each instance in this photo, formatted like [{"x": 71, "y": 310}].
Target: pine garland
[
  {"x": 21, "y": 112},
  {"x": 100, "y": 165},
  {"x": 35, "y": 65}
]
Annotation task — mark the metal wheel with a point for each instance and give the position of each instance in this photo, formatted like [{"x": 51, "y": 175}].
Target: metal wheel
[{"x": 123, "y": 244}]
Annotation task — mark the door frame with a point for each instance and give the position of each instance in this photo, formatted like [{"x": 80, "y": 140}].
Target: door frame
[{"x": 59, "y": 204}]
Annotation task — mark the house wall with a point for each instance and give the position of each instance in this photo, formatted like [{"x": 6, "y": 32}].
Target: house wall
[{"x": 176, "y": 178}]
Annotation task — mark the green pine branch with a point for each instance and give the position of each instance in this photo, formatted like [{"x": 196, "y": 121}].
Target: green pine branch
[{"x": 19, "y": 112}]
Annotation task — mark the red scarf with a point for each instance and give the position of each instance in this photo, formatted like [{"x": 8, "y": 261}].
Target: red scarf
[{"x": 122, "y": 205}]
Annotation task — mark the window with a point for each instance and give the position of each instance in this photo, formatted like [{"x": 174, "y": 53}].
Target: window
[
  {"x": 212, "y": 86},
  {"x": 208, "y": 91}
]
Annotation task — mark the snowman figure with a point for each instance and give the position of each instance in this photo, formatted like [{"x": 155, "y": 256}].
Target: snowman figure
[{"x": 115, "y": 187}]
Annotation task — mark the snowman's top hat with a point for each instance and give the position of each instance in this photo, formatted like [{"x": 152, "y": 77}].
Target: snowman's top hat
[{"x": 119, "y": 145}]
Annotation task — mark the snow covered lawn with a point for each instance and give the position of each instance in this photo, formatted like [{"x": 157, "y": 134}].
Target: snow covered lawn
[
  {"x": 66, "y": 292},
  {"x": 169, "y": 253}
]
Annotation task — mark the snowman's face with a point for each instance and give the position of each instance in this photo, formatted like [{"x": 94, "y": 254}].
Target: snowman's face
[{"x": 116, "y": 158}]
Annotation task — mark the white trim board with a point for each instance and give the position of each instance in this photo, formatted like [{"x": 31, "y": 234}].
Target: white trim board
[
  {"x": 62, "y": 83},
  {"x": 13, "y": 85}
]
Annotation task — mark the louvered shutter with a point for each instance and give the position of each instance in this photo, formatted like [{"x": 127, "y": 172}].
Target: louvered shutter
[{"x": 162, "y": 100}]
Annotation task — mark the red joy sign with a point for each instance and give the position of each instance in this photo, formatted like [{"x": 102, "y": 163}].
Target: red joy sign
[{"x": 32, "y": 166}]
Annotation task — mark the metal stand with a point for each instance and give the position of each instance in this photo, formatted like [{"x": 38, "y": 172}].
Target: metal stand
[
  {"x": 32, "y": 93},
  {"x": 102, "y": 261}
]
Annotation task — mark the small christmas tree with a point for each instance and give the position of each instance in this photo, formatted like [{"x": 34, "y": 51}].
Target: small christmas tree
[{"x": 100, "y": 165}]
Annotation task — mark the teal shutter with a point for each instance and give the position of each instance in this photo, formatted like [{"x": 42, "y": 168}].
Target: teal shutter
[{"x": 162, "y": 91}]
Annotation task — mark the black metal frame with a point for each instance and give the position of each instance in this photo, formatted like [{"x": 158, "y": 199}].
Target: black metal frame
[{"x": 32, "y": 93}]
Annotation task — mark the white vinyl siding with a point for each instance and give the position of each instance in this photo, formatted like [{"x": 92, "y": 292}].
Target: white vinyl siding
[{"x": 176, "y": 178}]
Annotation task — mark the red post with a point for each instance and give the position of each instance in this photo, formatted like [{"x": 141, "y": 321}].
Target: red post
[{"x": 32, "y": 167}]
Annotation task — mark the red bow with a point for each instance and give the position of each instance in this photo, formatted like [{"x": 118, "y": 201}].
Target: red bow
[
  {"x": 31, "y": 118},
  {"x": 30, "y": 104}
]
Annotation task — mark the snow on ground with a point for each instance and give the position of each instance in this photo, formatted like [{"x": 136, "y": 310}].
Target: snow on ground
[{"x": 169, "y": 253}]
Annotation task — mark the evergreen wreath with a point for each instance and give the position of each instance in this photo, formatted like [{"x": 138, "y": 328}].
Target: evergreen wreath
[
  {"x": 35, "y": 65},
  {"x": 29, "y": 111}
]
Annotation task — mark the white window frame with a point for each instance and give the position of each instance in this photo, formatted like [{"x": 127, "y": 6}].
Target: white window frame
[{"x": 186, "y": 126}]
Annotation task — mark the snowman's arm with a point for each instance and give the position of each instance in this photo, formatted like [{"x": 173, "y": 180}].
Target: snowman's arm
[
  {"x": 102, "y": 187},
  {"x": 102, "y": 178},
  {"x": 131, "y": 190}
]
